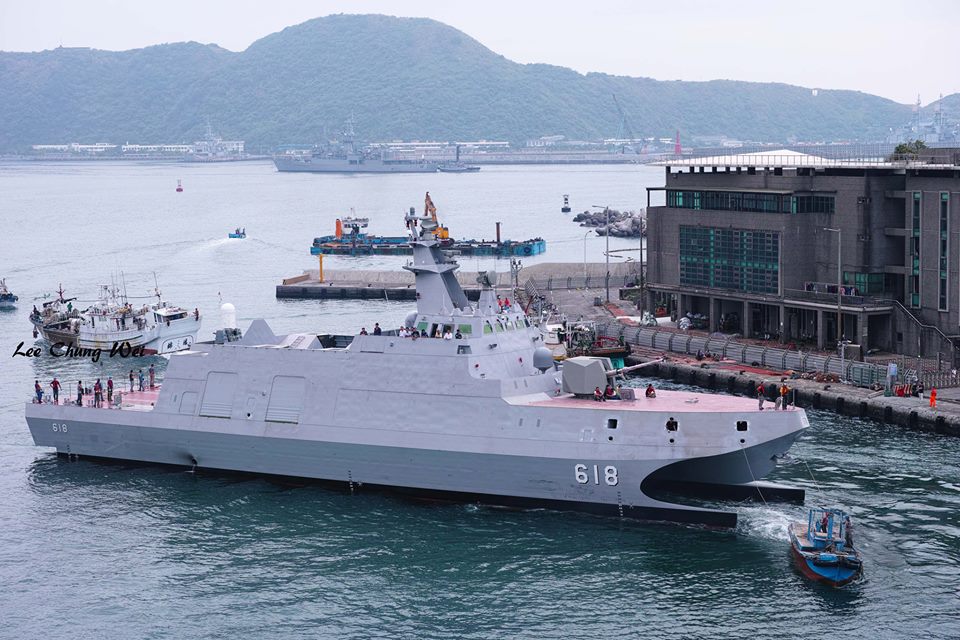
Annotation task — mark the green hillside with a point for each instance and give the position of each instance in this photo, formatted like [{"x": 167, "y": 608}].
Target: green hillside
[{"x": 400, "y": 78}]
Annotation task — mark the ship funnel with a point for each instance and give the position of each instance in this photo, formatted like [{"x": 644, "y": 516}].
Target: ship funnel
[{"x": 228, "y": 316}]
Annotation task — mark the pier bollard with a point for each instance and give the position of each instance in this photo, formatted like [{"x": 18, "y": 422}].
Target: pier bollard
[
  {"x": 863, "y": 409},
  {"x": 712, "y": 381},
  {"x": 888, "y": 414},
  {"x": 817, "y": 399},
  {"x": 913, "y": 420},
  {"x": 839, "y": 404},
  {"x": 731, "y": 383}
]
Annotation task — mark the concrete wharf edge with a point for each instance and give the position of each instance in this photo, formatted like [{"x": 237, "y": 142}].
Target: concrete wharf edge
[{"x": 811, "y": 395}]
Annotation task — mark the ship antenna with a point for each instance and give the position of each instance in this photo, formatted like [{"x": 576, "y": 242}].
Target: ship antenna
[{"x": 156, "y": 288}]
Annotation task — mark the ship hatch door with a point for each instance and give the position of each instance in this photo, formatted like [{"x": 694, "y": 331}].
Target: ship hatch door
[
  {"x": 286, "y": 399},
  {"x": 218, "y": 395}
]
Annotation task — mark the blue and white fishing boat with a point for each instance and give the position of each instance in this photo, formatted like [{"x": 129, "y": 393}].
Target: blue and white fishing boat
[
  {"x": 238, "y": 233},
  {"x": 823, "y": 548},
  {"x": 7, "y": 299}
]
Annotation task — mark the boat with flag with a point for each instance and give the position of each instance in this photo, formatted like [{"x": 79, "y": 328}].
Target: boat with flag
[{"x": 822, "y": 547}]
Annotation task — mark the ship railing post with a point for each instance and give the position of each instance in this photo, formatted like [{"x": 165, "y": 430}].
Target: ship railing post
[{"x": 320, "y": 272}]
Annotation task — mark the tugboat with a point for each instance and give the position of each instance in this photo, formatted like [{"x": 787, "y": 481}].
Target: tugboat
[
  {"x": 239, "y": 232},
  {"x": 159, "y": 328},
  {"x": 463, "y": 403},
  {"x": 179, "y": 187},
  {"x": 7, "y": 299},
  {"x": 823, "y": 548}
]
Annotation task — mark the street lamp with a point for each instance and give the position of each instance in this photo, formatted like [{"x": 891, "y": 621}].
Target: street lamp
[
  {"x": 585, "y": 257},
  {"x": 606, "y": 210}
]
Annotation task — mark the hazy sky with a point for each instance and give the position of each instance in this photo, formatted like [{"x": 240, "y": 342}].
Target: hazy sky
[{"x": 892, "y": 48}]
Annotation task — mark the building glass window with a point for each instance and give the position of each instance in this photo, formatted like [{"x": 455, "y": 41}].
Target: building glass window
[
  {"x": 866, "y": 284},
  {"x": 750, "y": 202},
  {"x": 914, "y": 244},
  {"x": 943, "y": 299},
  {"x": 733, "y": 259}
]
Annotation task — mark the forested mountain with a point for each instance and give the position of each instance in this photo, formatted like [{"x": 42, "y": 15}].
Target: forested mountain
[{"x": 400, "y": 78}]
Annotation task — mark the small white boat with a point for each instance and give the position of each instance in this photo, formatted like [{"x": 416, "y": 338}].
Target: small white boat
[{"x": 7, "y": 299}]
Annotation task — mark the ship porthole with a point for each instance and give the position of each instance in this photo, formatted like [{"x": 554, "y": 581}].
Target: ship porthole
[
  {"x": 671, "y": 440},
  {"x": 742, "y": 441},
  {"x": 610, "y": 438}
]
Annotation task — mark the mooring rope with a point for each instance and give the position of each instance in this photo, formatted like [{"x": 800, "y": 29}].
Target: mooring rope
[{"x": 750, "y": 469}]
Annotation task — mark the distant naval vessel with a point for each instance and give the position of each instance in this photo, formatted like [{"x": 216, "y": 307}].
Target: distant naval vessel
[
  {"x": 346, "y": 157},
  {"x": 466, "y": 405}
]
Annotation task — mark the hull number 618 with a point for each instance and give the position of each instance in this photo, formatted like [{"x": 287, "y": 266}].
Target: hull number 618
[{"x": 585, "y": 474}]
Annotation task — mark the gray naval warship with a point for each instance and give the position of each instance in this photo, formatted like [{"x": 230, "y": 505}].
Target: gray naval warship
[
  {"x": 345, "y": 156},
  {"x": 485, "y": 417}
]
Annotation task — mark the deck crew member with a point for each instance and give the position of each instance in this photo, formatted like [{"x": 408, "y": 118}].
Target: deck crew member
[
  {"x": 376, "y": 329},
  {"x": 598, "y": 395},
  {"x": 55, "y": 385},
  {"x": 153, "y": 375},
  {"x": 651, "y": 392},
  {"x": 784, "y": 395},
  {"x": 110, "y": 389},
  {"x": 38, "y": 390},
  {"x": 458, "y": 335},
  {"x": 761, "y": 393},
  {"x": 79, "y": 393},
  {"x": 140, "y": 378}
]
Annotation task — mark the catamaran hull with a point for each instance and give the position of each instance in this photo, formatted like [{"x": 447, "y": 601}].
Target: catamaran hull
[{"x": 486, "y": 478}]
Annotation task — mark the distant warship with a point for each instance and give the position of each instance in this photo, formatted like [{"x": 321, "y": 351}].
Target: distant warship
[
  {"x": 464, "y": 404},
  {"x": 346, "y": 157}
]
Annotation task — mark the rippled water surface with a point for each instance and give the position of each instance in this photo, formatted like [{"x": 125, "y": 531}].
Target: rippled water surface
[{"x": 91, "y": 550}]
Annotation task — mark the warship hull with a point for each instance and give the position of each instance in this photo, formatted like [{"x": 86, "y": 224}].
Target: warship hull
[
  {"x": 524, "y": 481},
  {"x": 343, "y": 165}
]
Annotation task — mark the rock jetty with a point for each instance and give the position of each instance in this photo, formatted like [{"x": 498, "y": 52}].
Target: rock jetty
[{"x": 623, "y": 224}]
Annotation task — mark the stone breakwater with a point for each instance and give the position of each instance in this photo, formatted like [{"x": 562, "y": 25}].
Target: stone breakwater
[
  {"x": 623, "y": 224},
  {"x": 914, "y": 413}
]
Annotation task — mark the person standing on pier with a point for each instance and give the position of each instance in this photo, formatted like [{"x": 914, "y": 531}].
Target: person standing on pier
[
  {"x": 152, "y": 376},
  {"x": 55, "y": 385}
]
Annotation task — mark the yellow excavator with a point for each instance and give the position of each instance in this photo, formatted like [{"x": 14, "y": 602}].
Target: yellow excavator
[{"x": 441, "y": 232}]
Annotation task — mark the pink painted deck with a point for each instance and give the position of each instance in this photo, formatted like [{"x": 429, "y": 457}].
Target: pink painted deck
[
  {"x": 131, "y": 400},
  {"x": 665, "y": 402}
]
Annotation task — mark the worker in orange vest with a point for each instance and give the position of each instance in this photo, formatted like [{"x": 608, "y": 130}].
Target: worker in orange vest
[{"x": 933, "y": 398}]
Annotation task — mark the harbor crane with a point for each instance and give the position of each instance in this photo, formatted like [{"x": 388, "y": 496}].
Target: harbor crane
[{"x": 624, "y": 128}]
